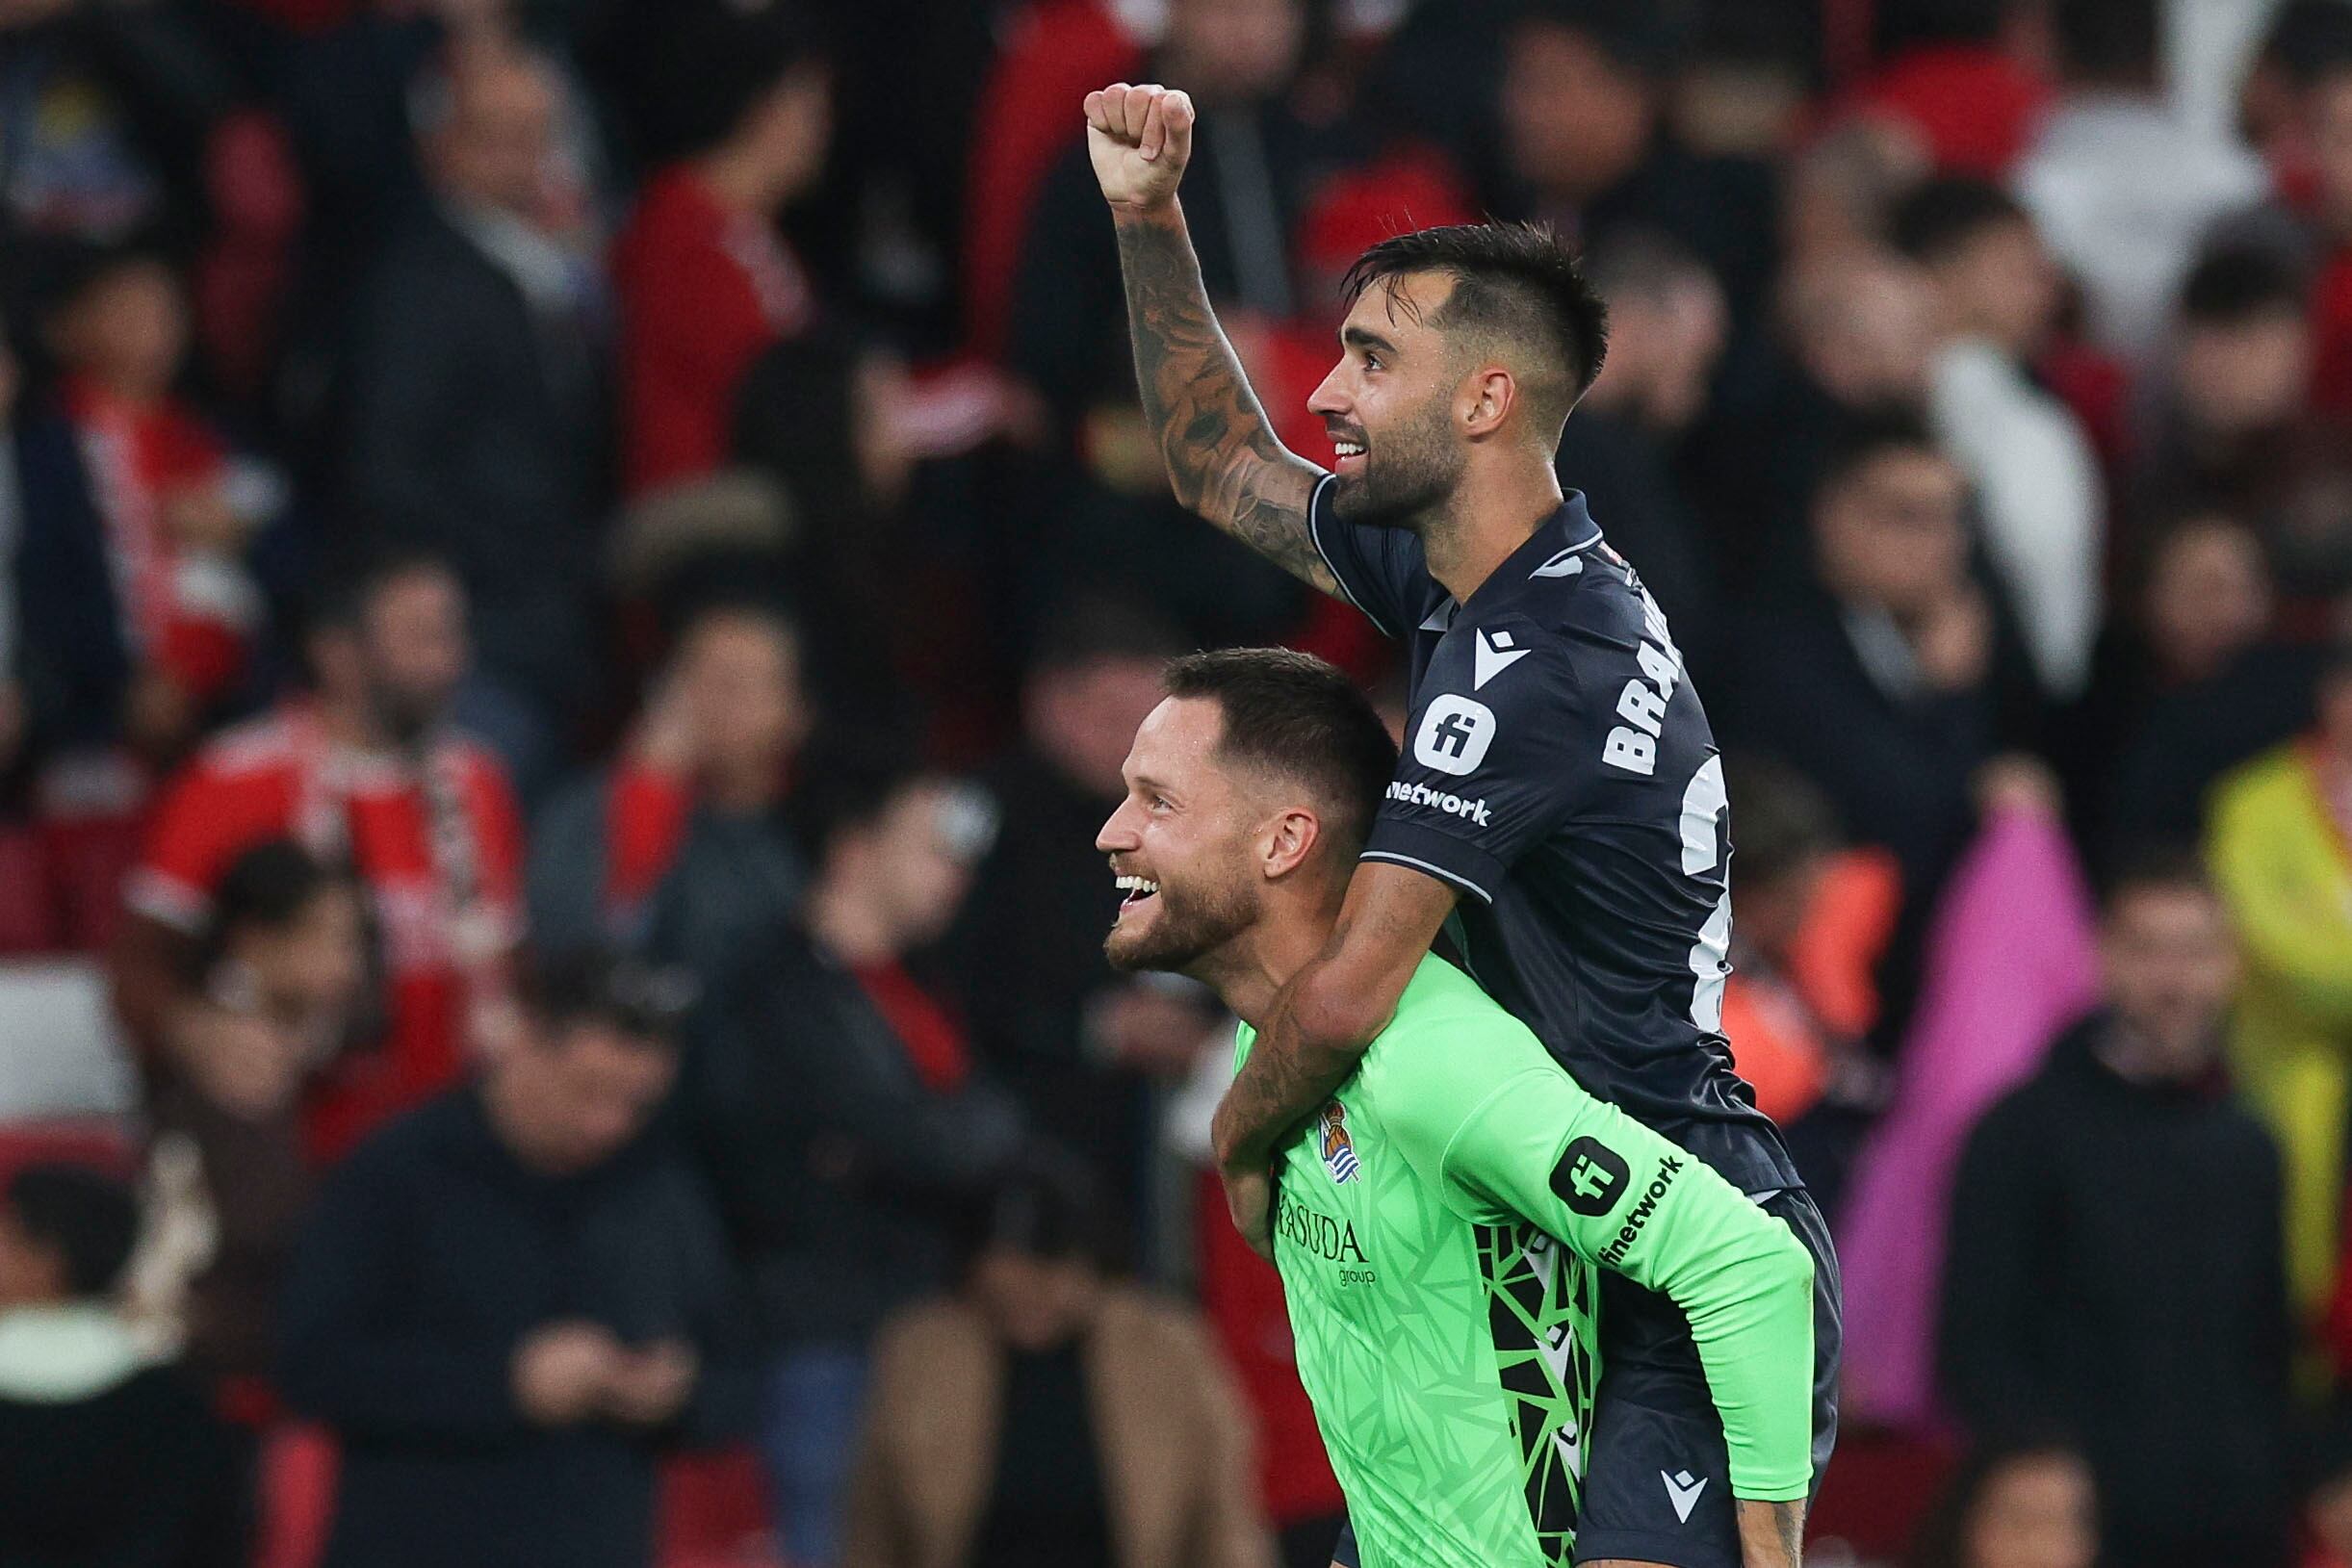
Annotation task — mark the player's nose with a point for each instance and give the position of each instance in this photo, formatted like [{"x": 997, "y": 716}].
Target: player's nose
[
  {"x": 1328, "y": 398},
  {"x": 1118, "y": 833}
]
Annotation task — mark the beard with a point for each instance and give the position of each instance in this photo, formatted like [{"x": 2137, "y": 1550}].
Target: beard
[
  {"x": 408, "y": 717},
  {"x": 1406, "y": 474},
  {"x": 1187, "y": 927}
]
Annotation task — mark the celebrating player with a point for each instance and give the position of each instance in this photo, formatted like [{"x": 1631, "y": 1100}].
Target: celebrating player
[
  {"x": 1439, "y": 1220},
  {"x": 1559, "y": 769}
]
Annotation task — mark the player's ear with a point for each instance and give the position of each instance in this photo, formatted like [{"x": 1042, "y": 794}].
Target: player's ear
[
  {"x": 1291, "y": 837},
  {"x": 1487, "y": 397}
]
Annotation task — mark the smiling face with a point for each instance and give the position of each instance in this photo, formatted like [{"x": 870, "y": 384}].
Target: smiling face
[
  {"x": 1179, "y": 845},
  {"x": 1388, "y": 404}
]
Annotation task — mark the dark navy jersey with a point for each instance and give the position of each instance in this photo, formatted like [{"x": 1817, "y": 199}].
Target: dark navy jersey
[{"x": 1558, "y": 771}]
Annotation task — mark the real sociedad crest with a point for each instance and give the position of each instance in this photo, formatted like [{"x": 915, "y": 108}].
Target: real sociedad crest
[{"x": 1338, "y": 1149}]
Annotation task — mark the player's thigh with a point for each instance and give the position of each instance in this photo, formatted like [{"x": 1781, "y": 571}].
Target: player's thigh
[{"x": 1657, "y": 1483}]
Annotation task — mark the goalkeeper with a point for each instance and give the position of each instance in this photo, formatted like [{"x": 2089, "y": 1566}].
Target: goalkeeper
[{"x": 1439, "y": 1222}]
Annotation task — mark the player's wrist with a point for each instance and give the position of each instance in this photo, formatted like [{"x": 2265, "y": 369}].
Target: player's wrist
[{"x": 1164, "y": 212}]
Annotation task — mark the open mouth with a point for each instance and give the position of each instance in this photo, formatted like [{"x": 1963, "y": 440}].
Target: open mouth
[
  {"x": 1136, "y": 889},
  {"x": 1347, "y": 454}
]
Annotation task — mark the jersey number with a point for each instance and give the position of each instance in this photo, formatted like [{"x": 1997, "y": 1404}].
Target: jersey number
[{"x": 1704, "y": 806}]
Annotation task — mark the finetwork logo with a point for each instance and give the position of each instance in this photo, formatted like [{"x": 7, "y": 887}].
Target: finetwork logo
[
  {"x": 1438, "y": 800},
  {"x": 1630, "y": 1232}
]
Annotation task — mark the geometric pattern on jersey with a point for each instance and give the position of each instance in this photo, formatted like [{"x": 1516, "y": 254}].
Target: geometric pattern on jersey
[
  {"x": 1445, "y": 1359},
  {"x": 1541, "y": 1313}
]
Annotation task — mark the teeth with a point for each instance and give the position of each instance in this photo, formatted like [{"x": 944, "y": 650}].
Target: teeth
[
  {"x": 1348, "y": 448},
  {"x": 1137, "y": 884}
]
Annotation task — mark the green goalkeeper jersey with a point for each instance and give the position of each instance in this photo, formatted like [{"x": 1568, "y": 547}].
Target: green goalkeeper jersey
[{"x": 1437, "y": 1227}]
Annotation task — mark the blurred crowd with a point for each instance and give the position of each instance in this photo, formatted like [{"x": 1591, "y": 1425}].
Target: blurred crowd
[{"x": 576, "y": 577}]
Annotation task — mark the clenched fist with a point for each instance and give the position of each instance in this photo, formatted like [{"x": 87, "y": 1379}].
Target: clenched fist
[{"x": 1140, "y": 139}]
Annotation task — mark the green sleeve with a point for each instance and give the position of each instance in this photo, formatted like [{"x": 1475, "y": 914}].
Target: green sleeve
[{"x": 1503, "y": 1128}]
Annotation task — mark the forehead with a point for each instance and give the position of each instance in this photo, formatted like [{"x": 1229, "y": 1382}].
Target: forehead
[{"x": 1401, "y": 307}]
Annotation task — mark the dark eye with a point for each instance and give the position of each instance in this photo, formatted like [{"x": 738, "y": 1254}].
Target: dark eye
[
  {"x": 1372, "y": 361},
  {"x": 1159, "y": 803}
]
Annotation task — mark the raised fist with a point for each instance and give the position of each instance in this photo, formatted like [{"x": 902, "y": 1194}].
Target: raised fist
[{"x": 1140, "y": 139}]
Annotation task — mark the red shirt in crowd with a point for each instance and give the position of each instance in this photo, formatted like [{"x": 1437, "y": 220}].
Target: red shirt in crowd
[
  {"x": 190, "y": 612},
  {"x": 703, "y": 290},
  {"x": 1975, "y": 105},
  {"x": 439, "y": 848}
]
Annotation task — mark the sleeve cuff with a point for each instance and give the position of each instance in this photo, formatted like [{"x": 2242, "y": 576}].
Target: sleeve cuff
[
  {"x": 1449, "y": 860},
  {"x": 1315, "y": 536}
]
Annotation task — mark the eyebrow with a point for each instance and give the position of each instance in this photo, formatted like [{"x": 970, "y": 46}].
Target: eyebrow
[{"x": 1357, "y": 337}]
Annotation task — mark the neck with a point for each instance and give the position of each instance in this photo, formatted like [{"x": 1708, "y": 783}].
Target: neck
[
  {"x": 737, "y": 180},
  {"x": 741, "y": 789},
  {"x": 849, "y": 924},
  {"x": 1488, "y": 516},
  {"x": 349, "y": 723},
  {"x": 2135, "y": 1057},
  {"x": 1249, "y": 974}
]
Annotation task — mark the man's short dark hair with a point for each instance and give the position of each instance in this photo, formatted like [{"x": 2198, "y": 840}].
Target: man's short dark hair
[
  {"x": 2240, "y": 283},
  {"x": 595, "y": 985},
  {"x": 2155, "y": 868},
  {"x": 265, "y": 888},
  {"x": 2310, "y": 41},
  {"x": 846, "y": 780},
  {"x": 1864, "y": 436},
  {"x": 2108, "y": 41},
  {"x": 1515, "y": 283},
  {"x": 1628, "y": 33},
  {"x": 1295, "y": 715},
  {"x": 88, "y": 1218},
  {"x": 1781, "y": 819},
  {"x": 715, "y": 63},
  {"x": 349, "y": 585},
  {"x": 1942, "y": 216},
  {"x": 1089, "y": 629}
]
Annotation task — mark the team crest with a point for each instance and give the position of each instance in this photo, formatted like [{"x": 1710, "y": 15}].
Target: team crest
[{"x": 1338, "y": 1149}]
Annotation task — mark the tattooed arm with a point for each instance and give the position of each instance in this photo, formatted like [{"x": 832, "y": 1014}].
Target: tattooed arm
[
  {"x": 1221, "y": 457},
  {"x": 1772, "y": 1535}
]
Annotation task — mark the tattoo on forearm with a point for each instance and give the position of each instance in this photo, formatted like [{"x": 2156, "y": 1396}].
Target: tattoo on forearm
[
  {"x": 1771, "y": 1534},
  {"x": 1223, "y": 459}
]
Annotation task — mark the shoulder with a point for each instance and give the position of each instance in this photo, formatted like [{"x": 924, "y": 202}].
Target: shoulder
[
  {"x": 1449, "y": 1046},
  {"x": 928, "y": 1335},
  {"x": 396, "y": 1153},
  {"x": 2261, "y": 785},
  {"x": 260, "y": 748}
]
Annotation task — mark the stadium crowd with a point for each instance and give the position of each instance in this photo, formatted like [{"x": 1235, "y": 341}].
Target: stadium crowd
[{"x": 576, "y": 577}]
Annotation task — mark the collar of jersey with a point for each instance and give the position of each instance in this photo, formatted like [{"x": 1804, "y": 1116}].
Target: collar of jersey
[{"x": 1571, "y": 519}]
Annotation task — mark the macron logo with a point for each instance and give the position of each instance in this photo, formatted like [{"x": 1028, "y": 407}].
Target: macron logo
[
  {"x": 1438, "y": 800},
  {"x": 1683, "y": 1492}
]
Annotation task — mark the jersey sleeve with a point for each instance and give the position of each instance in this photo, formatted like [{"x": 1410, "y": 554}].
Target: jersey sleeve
[
  {"x": 1505, "y": 1132},
  {"x": 1381, "y": 571},
  {"x": 204, "y": 821},
  {"x": 1490, "y": 767}
]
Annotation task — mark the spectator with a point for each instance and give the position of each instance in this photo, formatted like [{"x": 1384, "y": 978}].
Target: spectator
[
  {"x": 1256, "y": 164},
  {"x": 364, "y": 771},
  {"x": 476, "y": 389},
  {"x": 1798, "y": 966},
  {"x": 1854, "y": 327},
  {"x": 2036, "y": 479},
  {"x": 277, "y": 985},
  {"x": 1080, "y": 1049},
  {"x": 1842, "y": 190},
  {"x": 834, "y": 1103},
  {"x": 680, "y": 846},
  {"x": 2327, "y": 1510},
  {"x": 1895, "y": 636},
  {"x": 705, "y": 284},
  {"x": 2118, "y": 183},
  {"x": 2189, "y": 685},
  {"x": 1046, "y": 1413},
  {"x": 2060, "y": 1298},
  {"x": 115, "y": 109},
  {"x": 508, "y": 1304},
  {"x": 2276, "y": 843},
  {"x": 1958, "y": 78},
  {"x": 2229, "y": 425},
  {"x": 2014, "y": 1504},
  {"x": 175, "y": 522},
  {"x": 1667, "y": 327},
  {"x": 113, "y": 1456}
]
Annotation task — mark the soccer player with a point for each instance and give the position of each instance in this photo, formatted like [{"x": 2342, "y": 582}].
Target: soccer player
[
  {"x": 1440, "y": 1220},
  {"x": 1561, "y": 801}
]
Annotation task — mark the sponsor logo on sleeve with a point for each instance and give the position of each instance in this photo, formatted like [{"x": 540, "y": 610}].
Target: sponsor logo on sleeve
[
  {"x": 1455, "y": 734},
  {"x": 1473, "y": 811},
  {"x": 1590, "y": 1177},
  {"x": 1669, "y": 1168}
]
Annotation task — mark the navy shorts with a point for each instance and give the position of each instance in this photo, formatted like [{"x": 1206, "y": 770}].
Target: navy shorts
[{"x": 1658, "y": 1486}]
